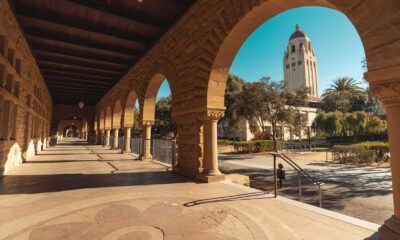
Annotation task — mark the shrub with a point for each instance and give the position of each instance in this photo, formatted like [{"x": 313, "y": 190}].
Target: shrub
[
  {"x": 225, "y": 142},
  {"x": 365, "y": 152},
  {"x": 256, "y": 146}
]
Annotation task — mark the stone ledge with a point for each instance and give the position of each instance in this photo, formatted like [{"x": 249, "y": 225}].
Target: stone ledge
[
  {"x": 238, "y": 179},
  {"x": 210, "y": 178}
]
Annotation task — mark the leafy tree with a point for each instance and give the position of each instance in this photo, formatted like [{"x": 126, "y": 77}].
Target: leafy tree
[
  {"x": 355, "y": 123},
  {"x": 137, "y": 126},
  {"x": 163, "y": 124},
  {"x": 234, "y": 86},
  {"x": 343, "y": 84},
  {"x": 375, "y": 125},
  {"x": 267, "y": 100},
  {"x": 329, "y": 124},
  {"x": 345, "y": 95},
  {"x": 334, "y": 124}
]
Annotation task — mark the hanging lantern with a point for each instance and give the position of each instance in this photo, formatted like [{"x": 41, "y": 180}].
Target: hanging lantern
[{"x": 81, "y": 104}]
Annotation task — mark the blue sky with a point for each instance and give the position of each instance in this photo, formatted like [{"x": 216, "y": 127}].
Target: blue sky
[{"x": 337, "y": 44}]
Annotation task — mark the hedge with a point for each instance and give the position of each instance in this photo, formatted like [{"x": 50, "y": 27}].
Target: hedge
[
  {"x": 225, "y": 142},
  {"x": 256, "y": 146},
  {"x": 365, "y": 152}
]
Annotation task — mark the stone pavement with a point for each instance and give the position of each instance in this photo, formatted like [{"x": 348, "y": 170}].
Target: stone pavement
[
  {"x": 349, "y": 190},
  {"x": 87, "y": 192}
]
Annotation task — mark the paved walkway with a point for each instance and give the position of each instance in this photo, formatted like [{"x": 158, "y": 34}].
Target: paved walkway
[
  {"x": 87, "y": 192},
  {"x": 348, "y": 190}
]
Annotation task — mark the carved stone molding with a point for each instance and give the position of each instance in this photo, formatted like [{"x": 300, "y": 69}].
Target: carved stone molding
[
  {"x": 387, "y": 93},
  {"x": 147, "y": 122},
  {"x": 214, "y": 114}
]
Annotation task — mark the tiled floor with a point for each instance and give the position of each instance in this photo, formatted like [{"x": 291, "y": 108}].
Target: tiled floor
[{"x": 87, "y": 192}]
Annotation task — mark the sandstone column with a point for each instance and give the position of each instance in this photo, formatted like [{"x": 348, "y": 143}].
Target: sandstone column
[
  {"x": 115, "y": 143},
  {"x": 146, "y": 127},
  {"x": 210, "y": 158},
  {"x": 392, "y": 226},
  {"x": 127, "y": 139},
  {"x": 96, "y": 136},
  {"x": 389, "y": 95},
  {"x": 107, "y": 139}
]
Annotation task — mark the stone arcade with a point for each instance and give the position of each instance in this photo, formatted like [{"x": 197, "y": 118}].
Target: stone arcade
[{"x": 109, "y": 59}]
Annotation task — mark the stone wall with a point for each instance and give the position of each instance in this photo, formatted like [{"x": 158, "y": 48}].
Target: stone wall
[{"x": 25, "y": 102}]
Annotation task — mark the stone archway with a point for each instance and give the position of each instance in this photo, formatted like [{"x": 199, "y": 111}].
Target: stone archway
[
  {"x": 381, "y": 44},
  {"x": 148, "y": 111},
  {"x": 129, "y": 118}
]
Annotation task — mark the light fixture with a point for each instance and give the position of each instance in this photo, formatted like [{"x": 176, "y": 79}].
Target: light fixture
[
  {"x": 140, "y": 1},
  {"x": 81, "y": 104}
]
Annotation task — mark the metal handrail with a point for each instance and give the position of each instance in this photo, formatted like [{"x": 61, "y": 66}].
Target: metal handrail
[{"x": 300, "y": 171}]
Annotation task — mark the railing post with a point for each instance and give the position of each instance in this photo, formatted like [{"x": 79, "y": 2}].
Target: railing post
[
  {"x": 173, "y": 151},
  {"x": 275, "y": 182},
  {"x": 299, "y": 182},
  {"x": 152, "y": 147},
  {"x": 320, "y": 195}
]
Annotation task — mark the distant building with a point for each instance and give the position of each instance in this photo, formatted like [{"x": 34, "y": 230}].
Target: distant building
[
  {"x": 300, "y": 71},
  {"x": 300, "y": 64}
]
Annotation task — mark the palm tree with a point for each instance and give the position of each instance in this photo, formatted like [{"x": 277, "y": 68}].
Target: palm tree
[{"x": 343, "y": 84}]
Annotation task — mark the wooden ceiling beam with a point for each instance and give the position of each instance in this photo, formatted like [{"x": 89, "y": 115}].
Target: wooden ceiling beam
[
  {"x": 58, "y": 73},
  {"x": 78, "y": 69},
  {"x": 78, "y": 36},
  {"x": 39, "y": 53},
  {"x": 79, "y": 62},
  {"x": 70, "y": 46},
  {"x": 112, "y": 9},
  {"x": 84, "y": 90},
  {"x": 50, "y": 77},
  {"x": 77, "y": 84},
  {"x": 33, "y": 9}
]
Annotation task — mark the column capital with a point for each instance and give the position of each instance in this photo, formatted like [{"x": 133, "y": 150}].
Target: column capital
[
  {"x": 388, "y": 93},
  {"x": 147, "y": 122},
  {"x": 214, "y": 114},
  {"x": 128, "y": 126}
]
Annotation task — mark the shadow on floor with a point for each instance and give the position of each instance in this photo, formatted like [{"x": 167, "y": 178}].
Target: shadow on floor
[
  {"x": 374, "y": 236},
  {"x": 29, "y": 184},
  {"x": 238, "y": 197}
]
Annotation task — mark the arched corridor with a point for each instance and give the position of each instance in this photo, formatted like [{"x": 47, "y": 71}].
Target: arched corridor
[{"x": 96, "y": 60}]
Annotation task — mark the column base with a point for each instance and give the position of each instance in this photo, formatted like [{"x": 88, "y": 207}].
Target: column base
[
  {"x": 125, "y": 151},
  {"x": 390, "y": 230},
  {"x": 210, "y": 178},
  {"x": 148, "y": 158},
  {"x": 186, "y": 172}
]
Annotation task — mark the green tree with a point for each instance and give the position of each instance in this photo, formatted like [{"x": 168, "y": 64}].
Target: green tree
[
  {"x": 329, "y": 124},
  {"x": 355, "y": 123},
  {"x": 163, "y": 123},
  {"x": 234, "y": 87},
  {"x": 343, "y": 84},
  {"x": 345, "y": 95},
  {"x": 375, "y": 125},
  {"x": 267, "y": 100}
]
